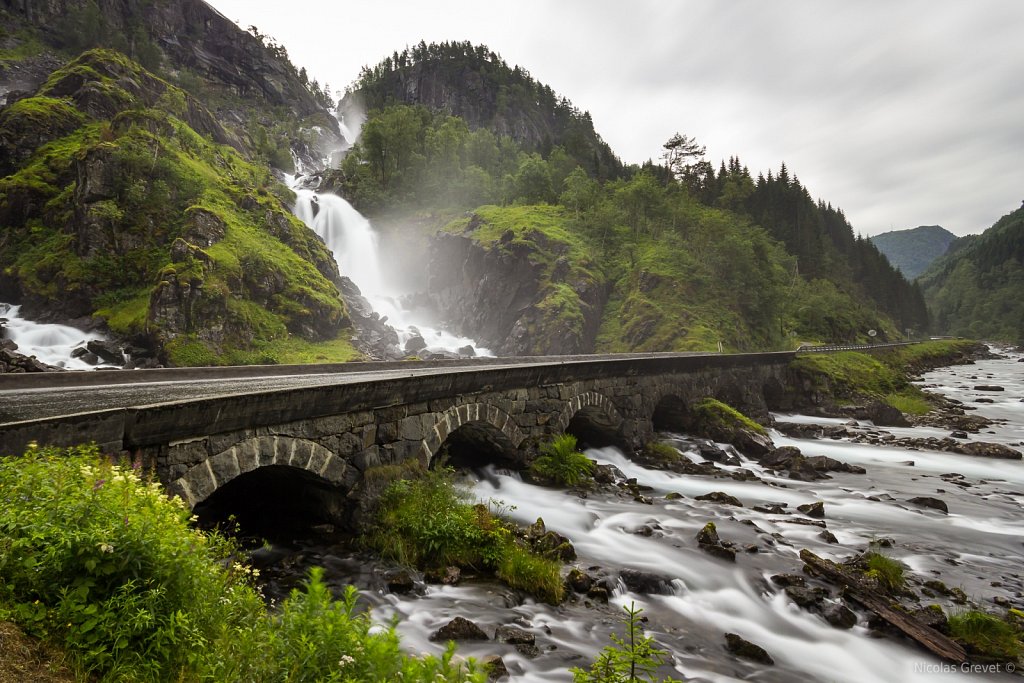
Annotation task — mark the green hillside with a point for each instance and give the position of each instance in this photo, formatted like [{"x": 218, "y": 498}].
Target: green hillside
[
  {"x": 977, "y": 289},
  {"x": 116, "y": 205}
]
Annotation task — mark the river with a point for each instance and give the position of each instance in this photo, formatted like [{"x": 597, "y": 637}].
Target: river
[{"x": 976, "y": 547}]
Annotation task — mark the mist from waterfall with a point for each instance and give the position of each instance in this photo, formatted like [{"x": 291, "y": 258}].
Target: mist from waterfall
[{"x": 354, "y": 242}]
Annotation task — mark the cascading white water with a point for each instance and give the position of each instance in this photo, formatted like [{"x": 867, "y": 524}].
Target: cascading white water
[
  {"x": 354, "y": 243},
  {"x": 50, "y": 343}
]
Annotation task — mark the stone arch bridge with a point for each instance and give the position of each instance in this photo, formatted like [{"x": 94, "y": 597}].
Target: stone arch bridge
[{"x": 341, "y": 434}]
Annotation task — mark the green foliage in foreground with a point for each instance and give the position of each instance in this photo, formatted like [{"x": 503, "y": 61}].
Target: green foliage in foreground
[
  {"x": 630, "y": 659},
  {"x": 987, "y": 635},
  {"x": 100, "y": 563},
  {"x": 429, "y": 522},
  {"x": 562, "y": 463}
]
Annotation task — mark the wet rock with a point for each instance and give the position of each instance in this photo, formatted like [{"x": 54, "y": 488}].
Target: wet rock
[
  {"x": 646, "y": 583},
  {"x": 780, "y": 458},
  {"x": 828, "y": 536},
  {"x": 720, "y": 497},
  {"x": 808, "y": 598},
  {"x": 786, "y": 580},
  {"x": 598, "y": 594},
  {"x": 988, "y": 387},
  {"x": 709, "y": 450},
  {"x": 933, "y": 617},
  {"x": 746, "y": 649},
  {"x": 579, "y": 581},
  {"x": 457, "y": 629},
  {"x": 415, "y": 344},
  {"x": 800, "y": 430},
  {"x": 984, "y": 449},
  {"x": 495, "y": 668},
  {"x": 673, "y": 495},
  {"x": 108, "y": 351},
  {"x": 958, "y": 434},
  {"x": 928, "y": 502},
  {"x": 514, "y": 635},
  {"x": 816, "y": 509},
  {"x": 468, "y": 351},
  {"x": 448, "y": 576},
  {"x": 709, "y": 541},
  {"x": 839, "y": 615},
  {"x": 399, "y": 581},
  {"x": 607, "y": 474},
  {"x": 772, "y": 509}
]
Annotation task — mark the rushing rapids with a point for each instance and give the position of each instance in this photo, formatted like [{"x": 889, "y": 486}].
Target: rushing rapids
[
  {"x": 50, "y": 343},
  {"x": 692, "y": 599}
]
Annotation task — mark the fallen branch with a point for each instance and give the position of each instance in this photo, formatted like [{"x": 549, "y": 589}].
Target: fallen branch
[{"x": 861, "y": 592}]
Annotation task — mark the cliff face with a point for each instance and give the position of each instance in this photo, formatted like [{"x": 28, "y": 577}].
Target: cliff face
[
  {"x": 517, "y": 288},
  {"x": 122, "y": 201},
  {"x": 191, "y": 34},
  {"x": 248, "y": 83}
]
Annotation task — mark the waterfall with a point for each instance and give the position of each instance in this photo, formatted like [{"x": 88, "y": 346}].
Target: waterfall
[
  {"x": 49, "y": 343},
  {"x": 354, "y": 243}
]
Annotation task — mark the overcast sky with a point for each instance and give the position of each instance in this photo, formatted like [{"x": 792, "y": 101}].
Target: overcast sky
[{"x": 900, "y": 112}]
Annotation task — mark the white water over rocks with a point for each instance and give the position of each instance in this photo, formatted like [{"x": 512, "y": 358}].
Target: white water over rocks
[
  {"x": 354, "y": 243},
  {"x": 977, "y": 544},
  {"x": 48, "y": 342}
]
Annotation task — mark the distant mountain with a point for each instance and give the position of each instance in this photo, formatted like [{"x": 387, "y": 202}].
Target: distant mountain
[
  {"x": 912, "y": 251},
  {"x": 977, "y": 288}
]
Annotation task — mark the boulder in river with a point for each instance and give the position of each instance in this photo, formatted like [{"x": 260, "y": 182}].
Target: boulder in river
[
  {"x": 815, "y": 509},
  {"x": 746, "y": 649},
  {"x": 458, "y": 628},
  {"x": 495, "y": 667},
  {"x": 988, "y": 387},
  {"x": 929, "y": 502},
  {"x": 722, "y": 498}
]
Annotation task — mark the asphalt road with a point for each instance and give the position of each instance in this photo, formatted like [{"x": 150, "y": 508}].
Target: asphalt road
[{"x": 20, "y": 403}]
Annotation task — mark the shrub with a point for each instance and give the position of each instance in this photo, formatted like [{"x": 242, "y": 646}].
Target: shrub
[
  {"x": 317, "y": 638},
  {"x": 987, "y": 635},
  {"x": 562, "y": 463},
  {"x": 99, "y": 562},
  {"x": 540, "y": 576},
  {"x": 428, "y": 522},
  {"x": 104, "y": 564},
  {"x": 633, "y": 658},
  {"x": 887, "y": 571}
]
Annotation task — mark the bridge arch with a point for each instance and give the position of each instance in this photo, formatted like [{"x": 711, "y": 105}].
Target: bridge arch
[
  {"x": 671, "y": 413},
  {"x": 249, "y": 455},
  {"x": 479, "y": 425},
  {"x": 591, "y": 416}
]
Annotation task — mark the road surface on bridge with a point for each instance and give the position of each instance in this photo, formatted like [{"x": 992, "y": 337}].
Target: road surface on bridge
[{"x": 46, "y": 395}]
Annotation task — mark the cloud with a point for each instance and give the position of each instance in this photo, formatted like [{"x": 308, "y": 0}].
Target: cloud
[{"x": 901, "y": 113}]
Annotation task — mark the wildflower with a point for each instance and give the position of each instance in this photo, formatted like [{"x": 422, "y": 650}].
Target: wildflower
[
  {"x": 345, "y": 661},
  {"x": 106, "y": 548}
]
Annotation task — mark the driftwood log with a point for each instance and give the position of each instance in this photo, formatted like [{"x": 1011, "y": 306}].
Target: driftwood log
[{"x": 867, "y": 596}]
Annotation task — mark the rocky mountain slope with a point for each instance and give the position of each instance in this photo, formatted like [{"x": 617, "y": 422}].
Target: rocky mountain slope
[
  {"x": 124, "y": 199},
  {"x": 977, "y": 288},
  {"x": 475, "y": 84},
  {"x": 912, "y": 251},
  {"x": 244, "y": 78}
]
